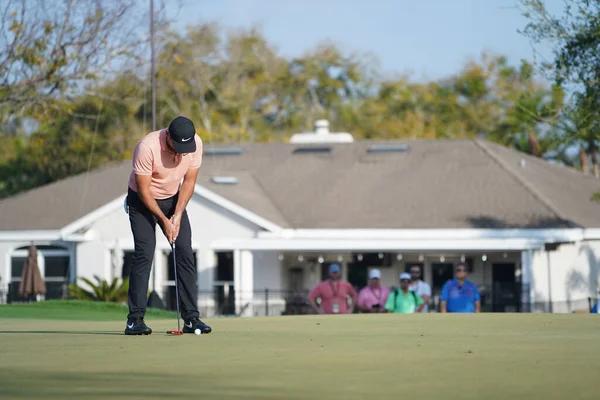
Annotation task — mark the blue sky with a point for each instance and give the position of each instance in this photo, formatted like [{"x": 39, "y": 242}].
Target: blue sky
[{"x": 428, "y": 38}]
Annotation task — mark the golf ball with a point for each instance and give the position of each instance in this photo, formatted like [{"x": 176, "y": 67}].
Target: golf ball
[{"x": 198, "y": 332}]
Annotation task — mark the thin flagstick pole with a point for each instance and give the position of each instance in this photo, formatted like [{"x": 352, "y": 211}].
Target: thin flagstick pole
[
  {"x": 152, "y": 66},
  {"x": 153, "y": 88}
]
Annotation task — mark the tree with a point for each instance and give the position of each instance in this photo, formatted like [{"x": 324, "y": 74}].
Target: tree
[
  {"x": 575, "y": 40},
  {"x": 98, "y": 130},
  {"x": 51, "y": 50}
]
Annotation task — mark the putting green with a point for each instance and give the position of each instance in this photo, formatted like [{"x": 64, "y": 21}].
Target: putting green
[{"x": 485, "y": 356}]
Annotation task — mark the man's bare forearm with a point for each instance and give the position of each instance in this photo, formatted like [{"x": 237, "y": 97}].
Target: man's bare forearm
[
  {"x": 185, "y": 194},
  {"x": 151, "y": 204}
]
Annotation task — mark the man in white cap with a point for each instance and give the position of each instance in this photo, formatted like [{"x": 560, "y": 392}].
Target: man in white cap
[
  {"x": 403, "y": 300},
  {"x": 372, "y": 297}
]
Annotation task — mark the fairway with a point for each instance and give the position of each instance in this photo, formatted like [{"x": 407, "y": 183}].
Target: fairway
[{"x": 491, "y": 356}]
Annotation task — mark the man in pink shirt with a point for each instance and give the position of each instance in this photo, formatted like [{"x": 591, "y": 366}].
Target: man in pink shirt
[
  {"x": 165, "y": 168},
  {"x": 372, "y": 298},
  {"x": 333, "y": 293}
]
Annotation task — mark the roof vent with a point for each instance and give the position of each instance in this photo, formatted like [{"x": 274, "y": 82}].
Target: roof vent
[
  {"x": 322, "y": 135},
  {"x": 304, "y": 150},
  {"x": 387, "y": 148},
  {"x": 223, "y": 151},
  {"x": 224, "y": 180}
]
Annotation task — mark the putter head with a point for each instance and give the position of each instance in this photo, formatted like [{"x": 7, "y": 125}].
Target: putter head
[{"x": 175, "y": 332}]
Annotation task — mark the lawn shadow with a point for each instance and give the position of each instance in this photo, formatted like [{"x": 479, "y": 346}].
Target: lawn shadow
[
  {"x": 17, "y": 383},
  {"x": 63, "y": 332}
]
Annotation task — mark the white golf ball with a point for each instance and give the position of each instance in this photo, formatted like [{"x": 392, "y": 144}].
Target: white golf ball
[{"x": 198, "y": 332}]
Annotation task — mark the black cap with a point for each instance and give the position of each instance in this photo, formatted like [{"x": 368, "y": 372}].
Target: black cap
[{"x": 182, "y": 133}]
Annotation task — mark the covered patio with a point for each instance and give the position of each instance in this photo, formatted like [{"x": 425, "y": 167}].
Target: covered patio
[{"x": 287, "y": 265}]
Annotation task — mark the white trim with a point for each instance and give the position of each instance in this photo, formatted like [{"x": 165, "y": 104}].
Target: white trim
[
  {"x": 28, "y": 236},
  {"x": 321, "y": 244},
  {"x": 93, "y": 216},
  {"x": 548, "y": 235},
  {"x": 43, "y": 235},
  {"x": 127, "y": 244},
  {"x": 236, "y": 209},
  {"x": 591, "y": 234},
  {"x": 69, "y": 230}
]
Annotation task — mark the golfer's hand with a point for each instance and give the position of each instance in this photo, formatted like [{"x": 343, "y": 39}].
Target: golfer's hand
[
  {"x": 176, "y": 221},
  {"x": 169, "y": 230}
]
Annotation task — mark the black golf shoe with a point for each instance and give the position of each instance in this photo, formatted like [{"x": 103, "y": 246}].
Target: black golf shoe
[
  {"x": 137, "y": 326},
  {"x": 190, "y": 326}
]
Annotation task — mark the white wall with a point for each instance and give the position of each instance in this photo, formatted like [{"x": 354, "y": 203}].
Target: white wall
[
  {"x": 268, "y": 273},
  {"x": 573, "y": 276},
  {"x": 209, "y": 222}
]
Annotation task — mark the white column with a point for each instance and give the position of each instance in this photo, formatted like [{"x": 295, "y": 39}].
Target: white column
[
  {"x": 207, "y": 262},
  {"x": 527, "y": 277},
  {"x": 243, "y": 281},
  {"x": 247, "y": 282},
  {"x": 72, "y": 263},
  {"x": 237, "y": 279}
]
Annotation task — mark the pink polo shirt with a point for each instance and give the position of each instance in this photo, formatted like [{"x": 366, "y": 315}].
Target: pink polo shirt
[
  {"x": 368, "y": 296},
  {"x": 152, "y": 157},
  {"x": 331, "y": 292}
]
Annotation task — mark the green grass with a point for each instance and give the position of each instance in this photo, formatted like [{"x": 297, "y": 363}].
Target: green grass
[
  {"x": 76, "y": 310},
  {"x": 432, "y": 356}
]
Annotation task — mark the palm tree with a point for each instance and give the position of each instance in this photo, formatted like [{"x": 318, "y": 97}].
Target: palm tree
[{"x": 101, "y": 291}]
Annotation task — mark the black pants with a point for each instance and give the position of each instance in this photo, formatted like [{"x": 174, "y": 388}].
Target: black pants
[{"x": 143, "y": 226}]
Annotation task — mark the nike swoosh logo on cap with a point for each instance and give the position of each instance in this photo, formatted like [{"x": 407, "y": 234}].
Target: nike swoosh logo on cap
[{"x": 185, "y": 140}]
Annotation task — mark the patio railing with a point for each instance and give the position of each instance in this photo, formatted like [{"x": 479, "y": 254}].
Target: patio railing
[{"x": 269, "y": 302}]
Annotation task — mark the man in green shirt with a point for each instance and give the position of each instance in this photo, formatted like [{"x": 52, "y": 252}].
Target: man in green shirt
[{"x": 403, "y": 300}]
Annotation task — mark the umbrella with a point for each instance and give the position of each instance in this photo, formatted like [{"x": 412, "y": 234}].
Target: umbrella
[{"x": 31, "y": 278}]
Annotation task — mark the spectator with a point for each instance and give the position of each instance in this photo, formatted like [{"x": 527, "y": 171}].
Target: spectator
[
  {"x": 419, "y": 286},
  {"x": 333, "y": 293},
  {"x": 403, "y": 300},
  {"x": 372, "y": 297},
  {"x": 460, "y": 295}
]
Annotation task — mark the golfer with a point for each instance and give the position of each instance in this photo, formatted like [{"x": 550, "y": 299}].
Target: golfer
[{"x": 165, "y": 168}]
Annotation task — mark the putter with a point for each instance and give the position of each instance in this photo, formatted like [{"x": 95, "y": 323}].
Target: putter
[{"x": 178, "y": 331}]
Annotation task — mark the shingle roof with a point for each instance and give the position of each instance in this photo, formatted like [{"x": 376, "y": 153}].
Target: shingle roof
[{"x": 437, "y": 184}]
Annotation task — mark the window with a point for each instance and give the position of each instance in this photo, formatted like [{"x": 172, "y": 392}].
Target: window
[
  {"x": 54, "y": 265},
  {"x": 17, "y": 264},
  {"x": 224, "y": 266}
]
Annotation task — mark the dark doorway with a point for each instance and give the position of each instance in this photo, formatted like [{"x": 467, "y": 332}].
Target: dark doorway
[
  {"x": 296, "y": 282},
  {"x": 358, "y": 275},
  {"x": 225, "y": 299},
  {"x": 224, "y": 266},
  {"x": 441, "y": 273},
  {"x": 505, "y": 288},
  {"x": 224, "y": 290}
]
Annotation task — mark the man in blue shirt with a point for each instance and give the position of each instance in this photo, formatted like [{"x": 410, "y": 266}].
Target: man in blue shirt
[{"x": 460, "y": 295}]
